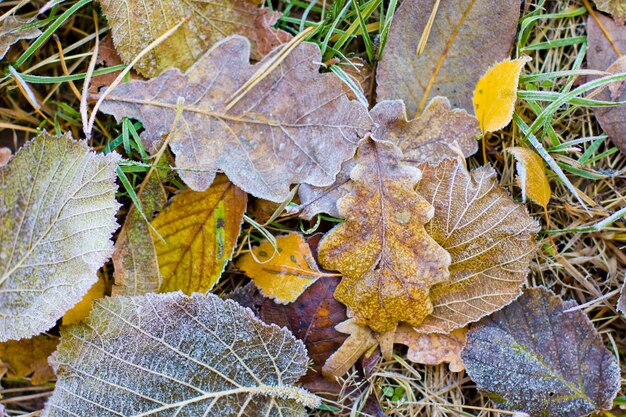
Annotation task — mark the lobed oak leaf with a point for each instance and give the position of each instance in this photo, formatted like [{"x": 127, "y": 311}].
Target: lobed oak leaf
[
  {"x": 531, "y": 176},
  {"x": 462, "y": 43},
  {"x": 616, "y": 8},
  {"x": 490, "y": 238},
  {"x": 388, "y": 260},
  {"x": 537, "y": 357},
  {"x": 315, "y": 200},
  {"x": 29, "y": 357},
  {"x": 433, "y": 348},
  {"x": 198, "y": 232},
  {"x": 171, "y": 354},
  {"x": 294, "y": 125},
  {"x": 360, "y": 341},
  {"x": 12, "y": 30},
  {"x": 57, "y": 211}
]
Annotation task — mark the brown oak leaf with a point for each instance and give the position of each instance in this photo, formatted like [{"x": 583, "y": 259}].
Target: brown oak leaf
[{"x": 433, "y": 348}]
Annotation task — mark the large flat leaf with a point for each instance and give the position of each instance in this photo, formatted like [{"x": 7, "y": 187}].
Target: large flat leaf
[
  {"x": 175, "y": 355},
  {"x": 57, "y": 205}
]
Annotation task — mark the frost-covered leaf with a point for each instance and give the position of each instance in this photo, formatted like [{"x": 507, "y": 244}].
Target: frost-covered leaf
[
  {"x": 616, "y": 8},
  {"x": 433, "y": 348},
  {"x": 360, "y": 341},
  {"x": 388, "y": 260},
  {"x": 82, "y": 309},
  {"x": 534, "y": 356},
  {"x": 315, "y": 200},
  {"x": 57, "y": 205},
  {"x": 11, "y": 31},
  {"x": 294, "y": 126},
  {"x": 621, "y": 301},
  {"x": 490, "y": 237},
  {"x": 531, "y": 177},
  {"x": 466, "y": 38},
  {"x": 29, "y": 357},
  {"x": 171, "y": 354},
  {"x": 136, "y": 24}
]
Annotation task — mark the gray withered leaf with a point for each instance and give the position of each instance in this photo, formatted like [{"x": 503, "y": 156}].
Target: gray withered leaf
[
  {"x": 536, "y": 357},
  {"x": 294, "y": 126},
  {"x": 57, "y": 205},
  {"x": 177, "y": 355},
  {"x": 617, "y": 9},
  {"x": 467, "y": 37},
  {"x": 11, "y": 31}
]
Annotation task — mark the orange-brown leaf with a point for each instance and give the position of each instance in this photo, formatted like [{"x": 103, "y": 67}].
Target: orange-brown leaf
[
  {"x": 433, "y": 348},
  {"x": 26, "y": 357},
  {"x": 360, "y": 341},
  {"x": 532, "y": 176}
]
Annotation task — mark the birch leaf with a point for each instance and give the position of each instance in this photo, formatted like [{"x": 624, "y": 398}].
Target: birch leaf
[
  {"x": 532, "y": 176},
  {"x": 467, "y": 36},
  {"x": 171, "y": 354},
  {"x": 208, "y": 23},
  {"x": 490, "y": 237},
  {"x": 388, "y": 260},
  {"x": 198, "y": 232},
  {"x": 536, "y": 357},
  {"x": 11, "y": 31},
  {"x": 29, "y": 357},
  {"x": 294, "y": 126},
  {"x": 616, "y": 8},
  {"x": 57, "y": 205}
]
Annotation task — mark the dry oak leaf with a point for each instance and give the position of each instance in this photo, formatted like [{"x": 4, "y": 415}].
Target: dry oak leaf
[
  {"x": 82, "y": 309},
  {"x": 284, "y": 272},
  {"x": 532, "y": 177},
  {"x": 29, "y": 357},
  {"x": 294, "y": 126},
  {"x": 315, "y": 200},
  {"x": 136, "y": 24},
  {"x": 616, "y": 8},
  {"x": 388, "y": 261},
  {"x": 536, "y": 357},
  {"x": 57, "y": 205},
  {"x": 490, "y": 237},
  {"x": 198, "y": 232},
  {"x": 462, "y": 43},
  {"x": 171, "y": 354},
  {"x": 11, "y": 31},
  {"x": 433, "y": 348},
  {"x": 360, "y": 341}
]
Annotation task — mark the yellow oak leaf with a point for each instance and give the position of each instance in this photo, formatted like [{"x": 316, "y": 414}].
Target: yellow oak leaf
[
  {"x": 81, "y": 310},
  {"x": 532, "y": 177},
  {"x": 388, "y": 260},
  {"x": 25, "y": 357},
  {"x": 282, "y": 274},
  {"x": 496, "y": 92},
  {"x": 361, "y": 340},
  {"x": 198, "y": 232}
]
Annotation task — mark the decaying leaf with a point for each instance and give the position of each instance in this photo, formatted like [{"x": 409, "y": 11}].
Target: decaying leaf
[
  {"x": 621, "y": 302},
  {"x": 388, "y": 261},
  {"x": 466, "y": 38},
  {"x": 496, "y": 92},
  {"x": 29, "y": 357},
  {"x": 490, "y": 238},
  {"x": 11, "y": 31},
  {"x": 82, "y": 309},
  {"x": 616, "y": 8},
  {"x": 532, "y": 177},
  {"x": 433, "y": 348},
  {"x": 5, "y": 155},
  {"x": 170, "y": 354},
  {"x": 360, "y": 341},
  {"x": 135, "y": 257},
  {"x": 281, "y": 274},
  {"x": 136, "y": 24},
  {"x": 315, "y": 200},
  {"x": 534, "y": 357},
  {"x": 294, "y": 126},
  {"x": 57, "y": 205},
  {"x": 198, "y": 232}
]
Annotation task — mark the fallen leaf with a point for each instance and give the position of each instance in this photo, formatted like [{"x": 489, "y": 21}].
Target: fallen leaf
[
  {"x": 108, "y": 56},
  {"x": 316, "y": 200},
  {"x": 532, "y": 177},
  {"x": 81, "y": 310},
  {"x": 166, "y": 354},
  {"x": 284, "y": 272},
  {"x": 433, "y": 348},
  {"x": 496, "y": 92},
  {"x": 467, "y": 37},
  {"x": 295, "y": 126},
  {"x": 616, "y": 8},
  {"x": 29, "y": 357},
  {"x": 388, "y": 261},
  {"x": 198, "y": 232},
  {"x": 361, "y": 74},
  {"x": 135, "y": 257},
  {"x": 621, "y": 302},
  {"x": 490, "y": 237},
  {"x": 359, "y": 342},
  {"x": 57, "y": 205},
  {"x": 136, "y": 24},
  {"x": 617, "y": 87},
  {"x": 5, "y": 155},
  {"x": 534, "y": 356},
  {"x": 11, "y": 31}
]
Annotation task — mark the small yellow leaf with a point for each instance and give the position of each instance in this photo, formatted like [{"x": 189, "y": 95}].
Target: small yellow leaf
[
  {"x": 282, "y": 274},
  {"x": 81, "y": 310},
  {"x": 198, "y": 232},
  {"x": 532, "y": 176},
  {"x": 496, "y": 92}
]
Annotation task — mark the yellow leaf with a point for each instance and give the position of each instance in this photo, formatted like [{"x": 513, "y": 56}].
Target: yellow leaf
[
  {"x": 81, "y": 310},
  {"x": 198, "y": 234},
  {"x": 25, "y": 357},
  {"x": 282, "y": 274},
  {"x": 532, "y": 176},
  {"x": 496, "y": 92}
]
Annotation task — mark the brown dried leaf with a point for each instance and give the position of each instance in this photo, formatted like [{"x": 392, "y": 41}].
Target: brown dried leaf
[
  {"x": 490, "y": 238},
  {"x": 136, "y": 24},
  {"x": 616, "y": 8},
  {"x": 536, "y": 357},
  {"x": 5, "y": 155},
  {"x": 433, "y": 348},
  {"x": 360, "y": 341},
  {"x": 295, "y": 126},
  {"x": 315, "y": 200},
  {"x": 29, "y": 357},
  {"x": 11, "y": 32},
  {"x": 466, "y": 38},
  {"x": 621, "y": 302},
  {"x": 388, "y": 260}
]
